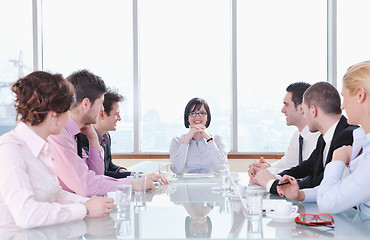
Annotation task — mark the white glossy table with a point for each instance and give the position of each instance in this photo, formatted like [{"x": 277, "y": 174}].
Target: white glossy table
[{"x": 166, "y": 212}]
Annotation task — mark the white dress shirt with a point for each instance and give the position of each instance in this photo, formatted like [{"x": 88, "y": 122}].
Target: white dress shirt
[
  {"x": 291, "y": 156},
  {"x": 336, "y": 194},
  {"x": 201, "y": 157},
  {"x": 30, "y": 194}
]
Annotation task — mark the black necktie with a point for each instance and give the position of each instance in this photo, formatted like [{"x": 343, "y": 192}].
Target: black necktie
[
  {"x": 300, "y": 148},
  {"x": 320, "y": 148},
  {"x": 79, "y": 147}
]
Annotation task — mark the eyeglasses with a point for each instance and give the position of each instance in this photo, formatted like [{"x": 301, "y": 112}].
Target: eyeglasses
[
  {"x": 200, "y": 114},
  {"x": 324, "y": 220}
]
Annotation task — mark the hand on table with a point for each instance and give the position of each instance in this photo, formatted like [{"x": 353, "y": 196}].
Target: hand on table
[
  {"x": 99, "y": 206},
  {"x": 256, "y": 167},
  {"x": 262, "y": 177},
  {"x": 156, "y": 177},
  {"x": 261, "y": 164}
]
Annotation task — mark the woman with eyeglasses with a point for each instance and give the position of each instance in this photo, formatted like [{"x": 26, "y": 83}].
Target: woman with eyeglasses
[
  {"x": 197, "y": 151},
  {"x": 30, "y": 194},
  {"x": 336, "y": 194}
]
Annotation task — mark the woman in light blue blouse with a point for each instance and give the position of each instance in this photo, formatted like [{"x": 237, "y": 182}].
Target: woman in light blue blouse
[
  {"x": 336, "y": 194},
  {"x": 197, "y": 151}
]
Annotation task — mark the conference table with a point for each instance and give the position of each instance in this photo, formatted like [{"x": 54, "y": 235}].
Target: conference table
[{"x": 195, "y": 207}]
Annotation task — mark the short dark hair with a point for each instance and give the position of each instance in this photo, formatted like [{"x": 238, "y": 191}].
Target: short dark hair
[
  {"x": 39, "y": 93},
  {"x": 87, "y": 85},
  {"x": 194, "y": 105},
  {"x": 325, "y": 96},
  {"x": 297, "y": 89},
  {"x": 110, "y": 97}
]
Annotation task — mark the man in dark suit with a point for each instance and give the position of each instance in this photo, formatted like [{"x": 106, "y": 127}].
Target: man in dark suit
[{"x": 322, "y": 112}]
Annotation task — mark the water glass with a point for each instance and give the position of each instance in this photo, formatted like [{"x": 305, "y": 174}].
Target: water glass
[
  {"x": 123, "y": 196},
  {"x": 254, "y": 228},
  {"x": 254, "y": 196},
  {"x": 139, "y": 182},
  {"x": 123, "y": 224},
  {"x": 225, "y": 177}
]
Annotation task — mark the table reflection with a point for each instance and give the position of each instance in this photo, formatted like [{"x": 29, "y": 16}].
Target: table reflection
[
  {"x": 195, "y": 208},
  {"x": 72, "y": 230},
  {"x": 198, "y": 201}
]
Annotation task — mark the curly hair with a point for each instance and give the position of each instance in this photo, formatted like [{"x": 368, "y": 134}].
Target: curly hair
[{"x": 39, "y": 93}]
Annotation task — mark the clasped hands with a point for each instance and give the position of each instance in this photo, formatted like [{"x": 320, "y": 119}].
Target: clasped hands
[
  {"x": 196, "y": 129},
  {"x": 258, "y": 173}
]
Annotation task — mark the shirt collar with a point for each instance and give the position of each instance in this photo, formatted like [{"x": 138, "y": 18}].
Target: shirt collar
[
  {"x": 72, "y": 127},
  {"x": 103, "y": 139},
  {"x": 359, "y": 135},
  {"x": 366, "y": 146},
  {"x": 34, "y": 141},
  {"x": 305, "y": 133},
  {"x": 362, "y": 139},
  {"x": 328, "y": 136}
]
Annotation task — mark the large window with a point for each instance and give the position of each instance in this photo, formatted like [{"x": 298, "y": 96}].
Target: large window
[
  {"x": 16, "y": 54},
  {"x": 183, "y": 55},
  {"x": 161, "y": 53},
  {"x": 279, "y": 42},
  {"x": 94, "y": 35},
  {"x": 353, "y": 35}
]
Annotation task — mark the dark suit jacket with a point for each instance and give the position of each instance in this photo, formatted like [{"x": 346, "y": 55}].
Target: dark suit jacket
[
  {"x": 110, "y": 169},
  {"x": 311, "y": 171}
]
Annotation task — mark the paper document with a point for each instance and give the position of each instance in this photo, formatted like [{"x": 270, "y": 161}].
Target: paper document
[{"x": 198, "y": 175}]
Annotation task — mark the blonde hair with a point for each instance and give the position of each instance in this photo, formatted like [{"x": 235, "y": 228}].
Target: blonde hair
[{"x": 357, "y": 76}]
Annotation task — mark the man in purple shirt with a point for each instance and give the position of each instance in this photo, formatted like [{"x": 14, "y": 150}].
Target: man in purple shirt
[{"x": 84, "y": 175}]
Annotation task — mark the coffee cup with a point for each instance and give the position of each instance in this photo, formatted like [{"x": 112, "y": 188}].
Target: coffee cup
[{"x": 285, "y": 209}]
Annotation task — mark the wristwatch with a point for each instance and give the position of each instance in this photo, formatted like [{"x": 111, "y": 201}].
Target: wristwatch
[{"x": 210, "y": 139}]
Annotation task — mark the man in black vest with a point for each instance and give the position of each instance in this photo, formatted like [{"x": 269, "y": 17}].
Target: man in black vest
[{"x": 322, "y": 112}]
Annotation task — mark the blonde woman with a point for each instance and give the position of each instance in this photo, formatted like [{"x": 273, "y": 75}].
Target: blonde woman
[{"x": 336, "y": 194}]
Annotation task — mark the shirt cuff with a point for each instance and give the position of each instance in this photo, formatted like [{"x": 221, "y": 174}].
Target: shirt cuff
[
  {"x": 310, "y": 194},
  {"x": 124, "y": 180},
  {"x": 79, "y": 211},
  {"x": 269, "y": 184},
  {"x": 96, "y": 152},
  {"x": 117, "y": 170}
]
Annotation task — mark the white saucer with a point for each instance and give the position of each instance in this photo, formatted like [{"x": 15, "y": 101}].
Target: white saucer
[{"x": 281, "y": 219}]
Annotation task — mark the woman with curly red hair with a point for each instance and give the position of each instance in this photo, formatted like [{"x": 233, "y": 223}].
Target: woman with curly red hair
[{"x": 30, "y": 194}]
